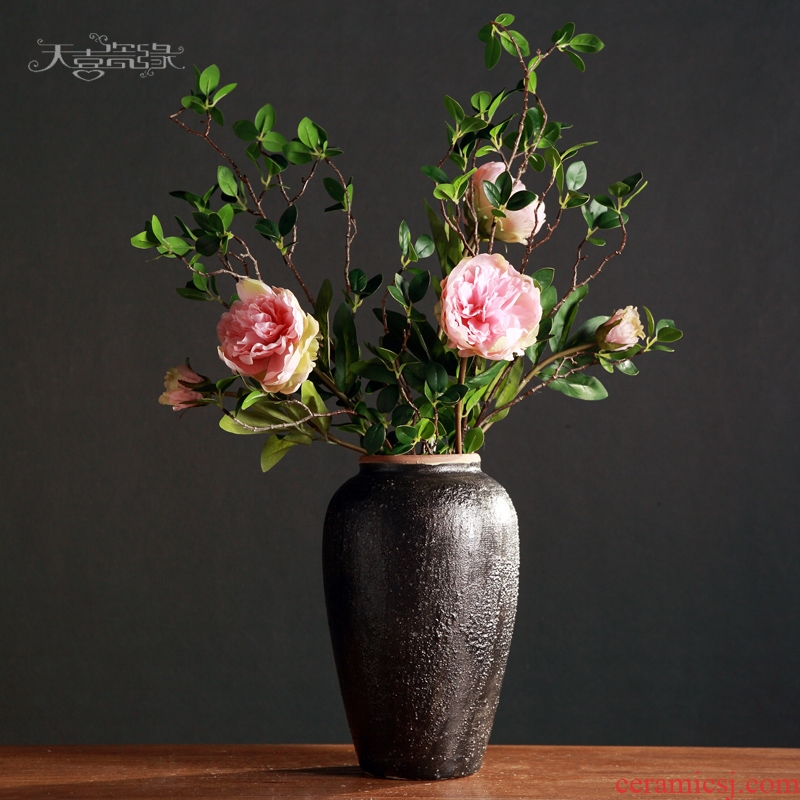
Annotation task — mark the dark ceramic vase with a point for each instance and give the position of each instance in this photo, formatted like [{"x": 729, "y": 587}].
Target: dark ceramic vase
[{"x": 420, "y": 563}]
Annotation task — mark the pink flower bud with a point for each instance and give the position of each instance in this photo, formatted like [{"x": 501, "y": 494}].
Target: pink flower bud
[
  {"x": 489, "y": 309},
  {"x": 178, "y": 395},
  {"x": 622, "y": 331}
]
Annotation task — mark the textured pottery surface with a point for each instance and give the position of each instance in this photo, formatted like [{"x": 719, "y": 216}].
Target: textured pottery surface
[{"x": 421, "y": 564}]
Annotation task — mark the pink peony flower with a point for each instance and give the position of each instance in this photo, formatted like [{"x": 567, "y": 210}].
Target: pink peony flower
[
  {"x": 266, "y": 335},
  {"x": 516, "y": 226},
  {"x": 622, "y": 331},
  {"x": 176, "y": 394},
  {"x": 489, "y": 309}
]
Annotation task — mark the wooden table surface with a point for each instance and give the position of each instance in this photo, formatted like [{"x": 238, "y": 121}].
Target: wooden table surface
[{"x": 285, "y": 771}]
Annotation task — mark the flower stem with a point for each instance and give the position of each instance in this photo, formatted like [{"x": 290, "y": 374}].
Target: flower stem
[{"x": 462, "y": 376}]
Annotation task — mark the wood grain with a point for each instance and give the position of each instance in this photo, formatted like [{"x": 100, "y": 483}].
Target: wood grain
[{"x": 291, "y": 771}]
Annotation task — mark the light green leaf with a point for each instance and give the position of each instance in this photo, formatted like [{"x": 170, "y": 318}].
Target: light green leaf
[{"x": 273, "y": 451}]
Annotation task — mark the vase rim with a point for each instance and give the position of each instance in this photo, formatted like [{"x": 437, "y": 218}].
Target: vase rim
[{"x": 442, "y": 458}]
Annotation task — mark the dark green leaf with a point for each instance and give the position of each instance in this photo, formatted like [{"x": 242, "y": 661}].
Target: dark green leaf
[
  {"x": 453, "y": 108},
  {"x": 537, "y": 162},
  {"x": 388, "y": 398},
  {"x": 267, "y": 228},
  {"x": 609, "y": 220},
  {"x": 669, "y": 334},
  {"x": 520, "y": 199},
  {"x": 436, "y": 174},
  {"x": 485, "y": 33},
  {"x": 190, "y": 293},
  {"x": 563, "y": 34},
  {"x": 374, "y": 438},
  {"x": 347, "y": 350},
  {"x": 493, "y": 51},
  {"x": 287, "y": 220},
  {"x": 564, "y": 317},
  {"x": 207, "y": 245},
  {"x": 619, "y": 189},
  {"x": 217, "y": 116},
  {"x": 334, "y": 189},
  {"x": 419, "y": 285},
  {"x": 576, "y": 60},
  {"x": 436, "y": 377},
  {"x": 245, "y": 130},
  {"x": 424, "y": 246}
]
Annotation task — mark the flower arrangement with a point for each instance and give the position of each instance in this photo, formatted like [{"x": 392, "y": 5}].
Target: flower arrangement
[{"x": 501, "y": 335}]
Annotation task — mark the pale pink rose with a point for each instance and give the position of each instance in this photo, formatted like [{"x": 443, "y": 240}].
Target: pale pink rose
[
  {"x": 176, "y": 394},
  {"x": 489, "y": 309},
  {"x": 622, "y": 331},
  {"x": 266, "y": 335},
  {"x": 516, "y": 226}
]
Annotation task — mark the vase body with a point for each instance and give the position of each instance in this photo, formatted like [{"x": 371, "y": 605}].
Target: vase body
[{"x": 420, "y": 565}]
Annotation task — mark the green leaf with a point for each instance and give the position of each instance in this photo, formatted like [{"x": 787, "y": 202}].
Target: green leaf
[
  {"x": 225, "y": 213},
  {"x": 596, "y": 241},
  {"x": 177, "y": 246},
  {"x": 586, "y": 331},
  {"x": 209, "y": 79},
  {"x": 575, "y": 199},
  {"x": 190, "y": 101},
  {"x": 439, "y": 236},
  {"x": 537, "y": 162},
  {"x": 190, "y": 293},
  {"x": 493, "y": 194},
  {"x": 424, "y": 246},
  {"x": 311, "y": 398},
  {"x": 564, "y": 317},
  {"x": 358, "y": 280},
  {"x": 609, "y": 220},
  {"x": 273, "y": 451},
  {"x": 142, "y": 241},
  {"x": 580, "y": 386},
  {"x": 404, "y": 239},
  {"x": 436, "y": 174},
  {"x": 419, "y": 286},
  {"x": 273, "y": 142},
  {"x": 436, "y": 377},
  {"x": 576, "y": 60},
  {"x": 493, "y": 51},
  {"x": 297, "y": 153},
  {"x": 473, "y": 440},
  {"x": 265, "y": 118},
  {"x": 454, "y": 108},
  {"x": 387, "y": 398},
  {"x": 287, "y": 220},
  {"x": 480, "y": 101},
  {"x": 225, "y": 90},
  {"x": 487, "y": 376},
  {"x": 563, "y": 34},
  {"x": 504, "y": 19},
  {"x": 575, "y": 175},
  {"x": 374, "y": 438},
  {"x": 549, "y": 299},
  {"x": 347, "y": 349},
  {"x": 207, "y": 245},
  {"x": 245, "y": 130},
  {"x": 155, "y": 226},
  {"x": 308, "y": 133},
  {"x": 520, "y": 199},
  {"x": 334, "y": 189},
  {"x": 510, "y": 386},
  {"x": 669, "y": 334},
  {"x": 268, "y": 229},
  {"x": 586, "y": 43},
  {"x": 544, "y": 277},
  {"x": 627, "y": 367},
  {"x": 227, "y": 181},
  {"x": 216, "y": 115},
  {"x": 485, "y": 33},
  {"x": 619, "y": 189}
]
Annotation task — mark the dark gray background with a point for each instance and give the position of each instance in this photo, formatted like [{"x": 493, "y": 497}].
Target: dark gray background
[{"x": 155, "y": 587}]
